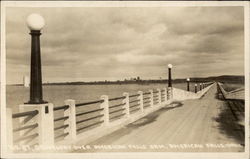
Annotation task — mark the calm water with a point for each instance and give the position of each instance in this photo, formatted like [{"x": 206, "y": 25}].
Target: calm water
[{"x": 56, "y": 94}]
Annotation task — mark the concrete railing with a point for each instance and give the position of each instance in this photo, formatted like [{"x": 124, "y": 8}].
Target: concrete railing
[
  {"x": 100, "y": 117},
  {"x": 238, "y": 94},
  {"x": 236, "y": 103},
  {"x": 179, "y": 94}
]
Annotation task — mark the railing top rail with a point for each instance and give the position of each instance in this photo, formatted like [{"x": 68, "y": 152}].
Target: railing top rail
[
  {"x": 117, "y": 98},
  {"x": 61, "y": 118},
  {"x": 134, "y": 95},
  {"x": 89, "y": 103},
  {"x": 25, "y": 127},
  {"x": 88, "y": 119},
  {"x": 145, "y": 93},
  {"x": 61, "y": 107},
  {"x": 155, "y": 91},
  {"x": 117, "y": 105},
  {"x": 133, "y": 101},
  {"x": 23, "y": 114},
  {"x": 237, "y": 90},
  {"x": 85, "y": 127},
  {"x": 91, "y": 111}
]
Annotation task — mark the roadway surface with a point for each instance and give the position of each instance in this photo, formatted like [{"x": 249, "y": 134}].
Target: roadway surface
[{"x": 202, "y": 125}]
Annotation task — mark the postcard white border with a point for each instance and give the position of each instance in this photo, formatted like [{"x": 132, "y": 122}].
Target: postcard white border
[{"x": 178, "y": 155}]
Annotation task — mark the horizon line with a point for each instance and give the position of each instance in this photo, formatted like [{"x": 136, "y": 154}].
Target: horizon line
[{"x": 117, "y": 80}]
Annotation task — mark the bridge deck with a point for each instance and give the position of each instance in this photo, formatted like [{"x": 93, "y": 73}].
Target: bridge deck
[{"x": 204, "y": 121}]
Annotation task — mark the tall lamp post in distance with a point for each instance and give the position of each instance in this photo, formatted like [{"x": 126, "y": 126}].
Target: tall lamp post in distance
[
  {"x": 169, "y": 75},
  {"x": 35, "y": 23},
  {"x": 188, "y": 80},
  {"x": 169, "y": 90},
  {"x": 195, "y": 88}
]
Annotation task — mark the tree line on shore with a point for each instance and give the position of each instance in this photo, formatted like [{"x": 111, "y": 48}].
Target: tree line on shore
[{"x": 223, "y": 79}]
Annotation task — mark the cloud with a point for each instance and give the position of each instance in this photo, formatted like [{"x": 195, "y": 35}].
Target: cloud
[{"x": 121, "y": 42}]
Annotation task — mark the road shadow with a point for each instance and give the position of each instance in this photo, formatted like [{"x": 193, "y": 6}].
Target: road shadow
[
  {"x": 150, "y": 118},
  {"x": 153, "y": 116},
  {"x": 230, "y": 126}
]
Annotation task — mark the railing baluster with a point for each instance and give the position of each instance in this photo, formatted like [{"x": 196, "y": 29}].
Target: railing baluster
[
  {"x": 159, "y": 95},
  {"x": 105, "y": 106},
  {"x": 165, "y": 94},
  {"x": 71, "y": 113},
  {"x": 140, "y": 98},
  {"x": 151, "y": 98},
  {"x": 126, "y": 101}
]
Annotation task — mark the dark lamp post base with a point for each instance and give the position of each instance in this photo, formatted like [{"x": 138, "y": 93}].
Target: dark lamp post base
[{"x": 36, "y": 102}]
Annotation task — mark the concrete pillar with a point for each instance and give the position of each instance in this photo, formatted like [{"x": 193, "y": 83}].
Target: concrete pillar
[
  {"x": 105, "y": 105},
  {"x": 45, "y": 121},
  {"x": 71, "y": 121},
  {"x": 9, "y": 127},
  {"x": 159, "y": 95},
  {"x": 151, "y": 95},
  {"x": 140, "y": 98},
  {"x": 126, "y": 103}
]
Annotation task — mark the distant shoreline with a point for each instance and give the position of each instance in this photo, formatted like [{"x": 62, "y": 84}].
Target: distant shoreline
[{"x": 225, "y": 78}]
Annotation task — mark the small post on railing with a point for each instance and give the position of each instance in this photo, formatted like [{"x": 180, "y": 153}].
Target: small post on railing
[
  {"x": 159, "y": 95},
  {"x": 126, "y": 103},
  {"x": 170, "y": 89},
  {"x": 140, "y": 98},
  {"x": 9, "y": 127},
  {"x": 195, "y": 88},
  {"x": 151, "y": 98},
  {"x": 71, "y": 113},
  {"x": 200, "y": 87},
  {"x": 188, "y": 80},
  {"x": 105, "y": 105}
]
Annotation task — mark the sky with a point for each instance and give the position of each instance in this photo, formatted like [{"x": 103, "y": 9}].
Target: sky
[{"x": 93, "y": 44}]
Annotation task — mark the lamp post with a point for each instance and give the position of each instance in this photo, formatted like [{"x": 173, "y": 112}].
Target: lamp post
[
  {"x": 188, "y": 80},
  {"x": 35, "y": 23},
  {"x": 200, "y": 87},
  {"x": 169, "y": 90},
  {"x": 45, "y": 115},
  {"x": 195, "y": 88},
  {"x": 169, "y": 75}
]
